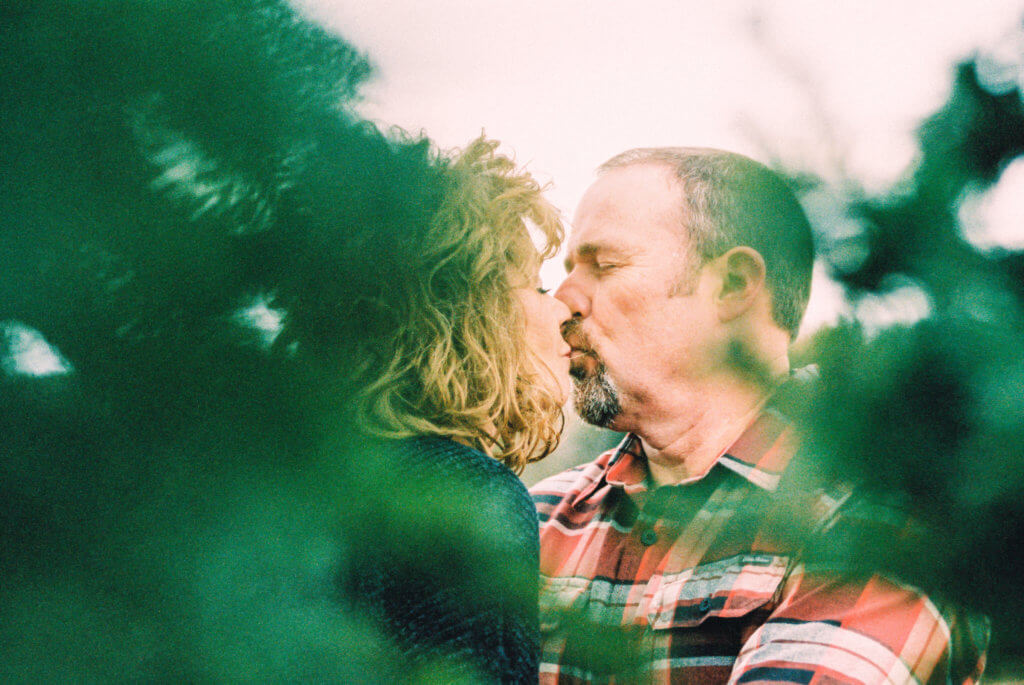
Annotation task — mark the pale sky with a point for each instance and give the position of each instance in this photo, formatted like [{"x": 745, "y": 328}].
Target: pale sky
[
  {"x": 829, "y": 86},
  {"x": 565, "y": 84}
]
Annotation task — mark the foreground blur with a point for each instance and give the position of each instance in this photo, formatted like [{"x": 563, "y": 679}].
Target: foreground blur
[{"x": 186, "y": 203}]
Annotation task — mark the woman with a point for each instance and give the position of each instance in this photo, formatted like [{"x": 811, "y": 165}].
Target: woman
[{"x": 466, "y": 389}]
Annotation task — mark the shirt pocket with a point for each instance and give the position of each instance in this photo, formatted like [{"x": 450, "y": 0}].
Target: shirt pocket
[
  {"x": 559, "y": 596},
  {"x": 727, "y": 588}
]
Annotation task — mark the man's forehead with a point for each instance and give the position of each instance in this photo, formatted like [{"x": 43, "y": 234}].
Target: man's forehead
[
  {"x": 623, "y": 225},
  {"x": 619, "y": 195}
]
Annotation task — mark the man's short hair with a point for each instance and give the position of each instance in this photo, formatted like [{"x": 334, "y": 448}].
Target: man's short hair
[{"x": 733, "y": 200}]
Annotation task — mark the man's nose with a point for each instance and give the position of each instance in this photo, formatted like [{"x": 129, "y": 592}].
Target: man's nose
[
  {"x": 562, "y": 313},
  {"x": 574, "y": 297}
]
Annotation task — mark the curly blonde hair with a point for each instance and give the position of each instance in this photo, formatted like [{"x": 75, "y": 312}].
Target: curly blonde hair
[{"x": 457, "y": 363}]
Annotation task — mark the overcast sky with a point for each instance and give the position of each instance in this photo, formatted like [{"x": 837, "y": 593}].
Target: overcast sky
[{"x": 565, "y": 84}]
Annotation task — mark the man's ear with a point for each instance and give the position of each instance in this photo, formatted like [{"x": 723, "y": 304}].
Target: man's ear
[{"x": 742, "y": 272}]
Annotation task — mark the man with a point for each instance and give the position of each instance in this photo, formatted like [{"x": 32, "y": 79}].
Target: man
[{"x": 688, "y": 274}]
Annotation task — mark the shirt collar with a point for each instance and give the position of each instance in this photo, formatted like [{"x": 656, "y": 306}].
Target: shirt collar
[
  {"x": 764, "y": 449},
  {"x": 624, "y": 467},
  {"x": 628, "y": 468},
  {"x": 759, "y": 455}
]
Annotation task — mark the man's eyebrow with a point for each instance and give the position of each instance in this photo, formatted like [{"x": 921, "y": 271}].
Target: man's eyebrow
[
  {"x": 585, "y": 250},
  {"x": 582, "y": 250}
]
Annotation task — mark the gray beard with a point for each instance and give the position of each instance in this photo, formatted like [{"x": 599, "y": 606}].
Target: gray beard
[{"x": 596, "y": 400}]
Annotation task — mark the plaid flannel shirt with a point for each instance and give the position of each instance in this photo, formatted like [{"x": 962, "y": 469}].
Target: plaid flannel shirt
[{"x": 692, "y": 583}]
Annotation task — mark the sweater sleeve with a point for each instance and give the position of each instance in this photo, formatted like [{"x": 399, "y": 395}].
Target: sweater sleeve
[
  {"x": 517, "y": 519},
  {"x": 506, "y": 547}
]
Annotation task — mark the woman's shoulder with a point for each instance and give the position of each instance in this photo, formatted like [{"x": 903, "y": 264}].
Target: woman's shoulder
[
  {"x": 445, "y": 454},
  {"x": 464, "y": 472}
]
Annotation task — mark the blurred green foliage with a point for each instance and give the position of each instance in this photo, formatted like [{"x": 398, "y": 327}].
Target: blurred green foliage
[
  {"x": 187, "y": 204},
  {"x": 172, "y": 506},
  {"x": 927, "y": 416}
]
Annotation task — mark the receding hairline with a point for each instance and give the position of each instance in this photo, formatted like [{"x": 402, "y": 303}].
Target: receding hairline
[
  {"x": 670, "y": 156},
  {"x": 678, "y": 163}
]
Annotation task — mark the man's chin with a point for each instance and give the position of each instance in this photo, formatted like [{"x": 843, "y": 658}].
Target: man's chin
[{"x": 596, "y": 400}]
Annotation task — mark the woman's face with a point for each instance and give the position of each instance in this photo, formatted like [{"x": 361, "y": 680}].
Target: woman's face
[{"x": 544, "y": 316}]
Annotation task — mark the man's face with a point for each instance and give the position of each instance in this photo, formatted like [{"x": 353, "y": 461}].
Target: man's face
[{"x": 643, "y": 321}]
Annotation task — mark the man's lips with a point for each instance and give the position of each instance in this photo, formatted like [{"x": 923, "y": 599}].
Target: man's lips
[
  {"x": 583, "y": 360},
  {"x": 578, "y": 347},
  {"x": 582, "y": 364}
]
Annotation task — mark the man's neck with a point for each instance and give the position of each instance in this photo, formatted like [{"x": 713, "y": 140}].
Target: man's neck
[{"x": 689, "y": 438}]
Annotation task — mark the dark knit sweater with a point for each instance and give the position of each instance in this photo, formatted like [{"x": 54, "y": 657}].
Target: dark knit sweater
[{"x": 445, "y": 557}]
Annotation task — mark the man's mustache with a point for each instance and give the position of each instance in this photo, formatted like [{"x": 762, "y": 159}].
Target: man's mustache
[{"x": 572, "y": 332}]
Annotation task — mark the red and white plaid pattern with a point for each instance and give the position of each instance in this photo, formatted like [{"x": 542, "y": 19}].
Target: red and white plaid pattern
[{"x": 693, "y": 583}]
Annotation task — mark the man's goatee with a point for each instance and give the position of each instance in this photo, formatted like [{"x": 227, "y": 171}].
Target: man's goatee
[{"x": 596, "y": 400}]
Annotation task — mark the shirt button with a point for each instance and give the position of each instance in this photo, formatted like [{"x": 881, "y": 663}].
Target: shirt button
[
  {"x": 648, "y": 537},
  {"x": 705, "y": 604}
]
